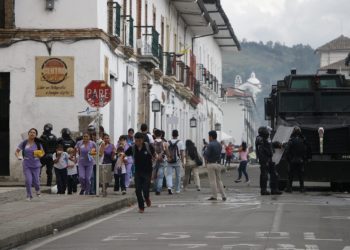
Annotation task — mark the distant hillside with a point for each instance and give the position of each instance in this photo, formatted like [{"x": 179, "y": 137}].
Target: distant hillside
[{"x": 270, "y": 62}]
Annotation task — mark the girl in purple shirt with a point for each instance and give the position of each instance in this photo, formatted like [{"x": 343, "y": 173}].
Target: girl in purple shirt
[
  {"x": 32, "y": 151},
  {"x": 86, "y": 149}
]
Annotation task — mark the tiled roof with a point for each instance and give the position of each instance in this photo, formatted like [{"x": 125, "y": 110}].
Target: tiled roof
[
  {"x": 340, "y": 43},
  {"x": 337, "y": 65},
  {"x": 233, "y": 92}
]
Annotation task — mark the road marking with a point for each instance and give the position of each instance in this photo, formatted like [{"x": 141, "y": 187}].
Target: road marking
[
  {"x": 60, "y": 236},
  {"x": 123, "y": 236},
  {"x": 277, "y": 218},
  {"x": 249, "y": 246},
  {"x": 311, "y": 247},
  {"x": 272, "y": 235},
  {"x": 189, "y": 246},
  {"x": 311, "y": 236},
  {"x": 337, "y": 217},
  {"x": 174, "y": 236},
  {"x": 229, "y": 235}
]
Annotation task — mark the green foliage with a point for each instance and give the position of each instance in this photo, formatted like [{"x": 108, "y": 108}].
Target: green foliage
[{"x": 270, "y": 62}]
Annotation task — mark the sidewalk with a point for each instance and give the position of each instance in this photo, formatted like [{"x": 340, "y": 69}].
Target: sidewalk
[{"x": 22, "y": 221}]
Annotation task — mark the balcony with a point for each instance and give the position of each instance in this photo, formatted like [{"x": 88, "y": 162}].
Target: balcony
[
  {"x": 149, "y": 56},
  {"x": 170, "y": 64},
  {"x": 128, "y": 35}
]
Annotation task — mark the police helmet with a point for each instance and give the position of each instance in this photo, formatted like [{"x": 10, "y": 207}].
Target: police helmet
[
  {"x": 296, "y": 130},
  {"x": 65, "y": 132},
  {"x": 48, "y": 127},
  {"x": 91, "y": 129},
  {"x": 263, "y": 132}
]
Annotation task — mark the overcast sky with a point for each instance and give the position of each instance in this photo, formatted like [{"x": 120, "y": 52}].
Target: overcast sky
[{"x": 313, "y": 22}]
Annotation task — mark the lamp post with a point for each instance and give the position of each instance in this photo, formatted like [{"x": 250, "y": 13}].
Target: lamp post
[
  {"x": 193, "y": 122},
  {"x": 217, "y": 126},
  {"x": 156, "y": 107}
]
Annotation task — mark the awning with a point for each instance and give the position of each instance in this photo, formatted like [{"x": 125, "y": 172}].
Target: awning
[
  {"x": 226, "y": 37},
  {"x": 226, "y": 137},
  {"x": 195, "y": 16}
]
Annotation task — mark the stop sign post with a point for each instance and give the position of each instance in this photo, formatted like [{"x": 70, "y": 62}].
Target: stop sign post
[{"x": 98, "y": 94}]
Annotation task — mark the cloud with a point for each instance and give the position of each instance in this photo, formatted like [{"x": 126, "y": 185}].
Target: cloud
[{"x": 313, "y": 22}]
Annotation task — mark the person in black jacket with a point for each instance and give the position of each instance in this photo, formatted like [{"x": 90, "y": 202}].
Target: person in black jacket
[
  {"x": 297, "y": 154},
  {"x": 49, "y": 142},
  {"x": 264, "y": 149},
  {"x": 143, "y": 154},
  {"x": 66, "y": 139}
]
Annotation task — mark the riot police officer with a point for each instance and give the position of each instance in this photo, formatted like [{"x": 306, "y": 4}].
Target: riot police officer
[
  {"x": 264, "y": 149},
  {"x": 66, "y": 139},
  {"x": 49, "y": 141},
  {"x": 297, "y": 153}
]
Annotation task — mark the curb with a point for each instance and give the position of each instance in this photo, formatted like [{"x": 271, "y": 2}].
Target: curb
[{"x": 45, "y": 230}]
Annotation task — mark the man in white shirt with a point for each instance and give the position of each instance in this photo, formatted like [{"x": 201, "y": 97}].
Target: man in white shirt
[{"x": 176, "y": 149}]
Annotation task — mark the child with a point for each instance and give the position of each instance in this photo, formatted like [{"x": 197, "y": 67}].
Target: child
[
  {"x": 243, "y": 155},
  {"x": 72, "y": 171},
  {"x": 60, "y": 159},
  {"x": 120, "y": 170}
]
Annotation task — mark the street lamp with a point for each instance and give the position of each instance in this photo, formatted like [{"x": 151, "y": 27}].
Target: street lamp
[
  {"x": 193, "y": 122},
  {"x": 156, "y": 107},
  {"x": 217, "y": 126}
]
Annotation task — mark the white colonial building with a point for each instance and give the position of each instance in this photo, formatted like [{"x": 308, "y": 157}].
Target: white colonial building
[
  {"x": 239, "y": 107},
  {"x": 146, "y": 50},
  {"x": 333, "y": 55}
]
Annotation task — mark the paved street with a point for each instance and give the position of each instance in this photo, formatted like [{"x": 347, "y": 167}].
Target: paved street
[{"x": 314, "y": 220}]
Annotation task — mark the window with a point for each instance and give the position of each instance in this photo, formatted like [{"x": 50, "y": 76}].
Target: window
[
  {"x": 300, "y": 84},
  {"x": 2, "y": 13},
  {"x": 146, "y": 13},
  {"x": 154, "y": 17}
]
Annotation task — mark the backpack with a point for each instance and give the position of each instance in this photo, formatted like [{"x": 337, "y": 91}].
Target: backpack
[
  {"x": 37, "y": 142},
  {"x": 159, "y": 150},
  {"x": 173, "y": 152}
]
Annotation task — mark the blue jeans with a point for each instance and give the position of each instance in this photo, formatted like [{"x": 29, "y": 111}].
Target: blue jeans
[
  {"x": 169, "y": 176},
  {"x": 243, "y": 169},
  {"x": 160, "y": 167}
]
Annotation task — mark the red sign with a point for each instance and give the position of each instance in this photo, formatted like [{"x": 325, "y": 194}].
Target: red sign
[{"x": 98, "y": 94}]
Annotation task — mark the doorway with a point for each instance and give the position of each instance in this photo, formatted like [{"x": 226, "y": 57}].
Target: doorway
[{"x": 5, "y": 124}]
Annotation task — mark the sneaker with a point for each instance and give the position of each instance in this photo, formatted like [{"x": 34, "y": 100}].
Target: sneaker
[
  {"x": 238, "y": 181},
  {"x": 81, "y": 192},
  {"x": 29, "y": 198},
  {"x": 124, "y": 193},
  {"x": 38, "y": 195},
  {"x": 198, "y": 189},
  {"x": 157, "y": 193},
  {"x": 177, "y": 192},
  {"x": 224, "y": 198},
  {"x": 148, "y": 202},
  {"x": 141, "y": 210},
  {"x": 212, "y": 199},
  {"x": 169, "y": 191},
  {"x": 247, "y": 182}
]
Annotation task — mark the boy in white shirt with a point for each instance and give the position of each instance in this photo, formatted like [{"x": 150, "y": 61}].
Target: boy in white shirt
[
  {"x": 72, "y": 171},
  {"x": 60, "y": 159}
]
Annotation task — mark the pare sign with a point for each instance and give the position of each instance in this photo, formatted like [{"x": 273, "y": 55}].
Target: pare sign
[{"x": 98, "y": 93}]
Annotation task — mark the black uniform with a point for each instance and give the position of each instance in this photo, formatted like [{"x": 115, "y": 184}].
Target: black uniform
[
  {"x": 297, "y": 153},
  {"x": 264, "y": 149},
  {"x": 49, "y": 141},
  {"x": 67, "y": 142}
]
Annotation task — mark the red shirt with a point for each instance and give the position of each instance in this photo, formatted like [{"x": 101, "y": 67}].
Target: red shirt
[{"x": 229, "y": 150}]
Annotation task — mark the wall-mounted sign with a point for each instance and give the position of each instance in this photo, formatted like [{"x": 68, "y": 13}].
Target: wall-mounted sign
[
  {"x": 54, "y": 76},
  {"x": 130, "y": 75}
]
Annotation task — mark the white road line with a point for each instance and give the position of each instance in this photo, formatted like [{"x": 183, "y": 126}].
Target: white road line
[
  {"x": 311, "y": 236},
  {"x": 189, "y": 246},
  {"x": 277, "y": 219},
  {"x": 60, "y": 236}
]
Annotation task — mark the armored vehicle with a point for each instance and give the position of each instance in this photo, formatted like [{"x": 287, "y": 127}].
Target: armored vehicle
[{"x": 320, "y": 105}]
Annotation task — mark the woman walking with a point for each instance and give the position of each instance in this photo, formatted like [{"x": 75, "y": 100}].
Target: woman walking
[
  {"x": 86, "y": 149},
  {"x": 32, "y": 151},
  {"x": 243, "y": 156},
  {"x": 191, "y": 155}
]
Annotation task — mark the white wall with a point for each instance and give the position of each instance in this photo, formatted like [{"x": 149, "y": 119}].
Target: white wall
[
  {"x": 233, "y": 119},
  {"x": 67, "y": 14},
  {"x": 332, "y": 57}
]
